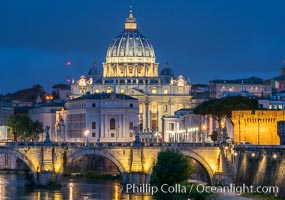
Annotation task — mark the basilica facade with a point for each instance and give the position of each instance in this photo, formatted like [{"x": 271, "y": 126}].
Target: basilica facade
[{"x": 131, "y": 69}]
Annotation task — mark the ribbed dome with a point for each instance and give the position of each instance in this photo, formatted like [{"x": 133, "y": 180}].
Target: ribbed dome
[{"x": 130, "y": 44}]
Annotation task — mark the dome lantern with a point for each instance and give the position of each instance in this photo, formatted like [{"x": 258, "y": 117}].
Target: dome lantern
[{"x": 131, "y": 21}]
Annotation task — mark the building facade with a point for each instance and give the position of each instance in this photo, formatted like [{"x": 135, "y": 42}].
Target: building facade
[
  {"x": 6, "y": 111},
  {"x": 185, "y": 126},
  {"x": 252, "y": 85},
  {"x": 104, "y": 117},
  {"x": 270, "y": 87},
  {"x": 257, "y": 127},
  {"x": 131, "y": 68},
  {"x": 45, "y": 113}
]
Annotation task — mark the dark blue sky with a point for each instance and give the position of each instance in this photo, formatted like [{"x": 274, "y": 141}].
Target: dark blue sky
[{"x": 202, "y": 40}]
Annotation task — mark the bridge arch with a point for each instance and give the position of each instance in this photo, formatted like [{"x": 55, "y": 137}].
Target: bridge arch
[
  {"x": 98, "y": 152},
  {"x": 194, "y": 155},
  {"x": 19, "y": 155},
  {"x": 22, "y": 157}
]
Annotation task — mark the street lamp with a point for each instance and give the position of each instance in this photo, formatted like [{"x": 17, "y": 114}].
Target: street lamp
[
  {"x": 223, "y": 130},
  {"x": 204, "y": 128},
  {"x": 222, "y": 124},
  {"x": 86, "y": 136}
]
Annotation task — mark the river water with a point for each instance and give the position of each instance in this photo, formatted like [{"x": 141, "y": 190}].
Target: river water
[{"x": 12, "y": 187}]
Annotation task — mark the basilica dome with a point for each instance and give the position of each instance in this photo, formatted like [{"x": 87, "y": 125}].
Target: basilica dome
[
  {"x": 130, "y": 43},
  {"x": 130, "y": 54}
]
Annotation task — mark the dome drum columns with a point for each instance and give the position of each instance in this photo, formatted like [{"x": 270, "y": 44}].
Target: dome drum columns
[{"x": 130, "y": 70}]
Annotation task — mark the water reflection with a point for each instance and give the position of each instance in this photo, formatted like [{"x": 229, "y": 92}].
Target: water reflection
[{"x": 12, "y": 186}]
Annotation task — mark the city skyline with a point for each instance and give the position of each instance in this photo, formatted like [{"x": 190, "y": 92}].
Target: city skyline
[{"x": 225, "y": 40}]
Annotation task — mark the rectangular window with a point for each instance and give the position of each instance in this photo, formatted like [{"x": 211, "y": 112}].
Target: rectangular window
[
  {"x": 171, "y": 126},
  {"x": 93, "y": 134},
  {"x": 112, "y": 134},
  {"x": 93, "y": 125},
  {"x": 93, "y": 105},
  {"x": 131, "y": 126},
  {"x": 131, "y": 134}
]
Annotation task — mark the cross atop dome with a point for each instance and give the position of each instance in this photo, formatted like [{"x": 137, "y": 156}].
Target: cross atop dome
[{"x": 131, "y": 21}]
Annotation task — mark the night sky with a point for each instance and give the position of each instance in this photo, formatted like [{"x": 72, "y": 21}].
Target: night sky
[{"x": 201, "y": 39}]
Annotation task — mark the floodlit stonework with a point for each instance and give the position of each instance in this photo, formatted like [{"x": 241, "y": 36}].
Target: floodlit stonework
[
  {"x": 98, "y": 118},
  {"x": 257, "y": 127}
]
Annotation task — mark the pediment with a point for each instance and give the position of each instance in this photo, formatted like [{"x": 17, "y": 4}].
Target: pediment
[{"x": 134, "y": 92}]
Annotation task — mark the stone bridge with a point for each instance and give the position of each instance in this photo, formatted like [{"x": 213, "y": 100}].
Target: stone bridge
[{"x": 47, "y": 161}]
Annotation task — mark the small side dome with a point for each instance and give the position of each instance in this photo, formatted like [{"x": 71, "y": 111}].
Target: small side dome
[
  {"x": 166, "y": 74},
  {"x": 167, "y": 71},
  {"x": 94, "y": 73}
]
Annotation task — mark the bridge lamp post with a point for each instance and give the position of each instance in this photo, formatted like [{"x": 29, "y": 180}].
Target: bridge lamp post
[
  {"x": 223, "y": 131},
  {"x": 196, "y": 129},
  {"x": 203, "y": 129},
  {"x": 86, "y": 136}
]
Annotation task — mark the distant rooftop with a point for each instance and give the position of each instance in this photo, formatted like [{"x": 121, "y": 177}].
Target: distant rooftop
[
  {"x": 49, "y": 104},
  {"x": 250, "y": 80},
  {"x": 104, "y": 96}
]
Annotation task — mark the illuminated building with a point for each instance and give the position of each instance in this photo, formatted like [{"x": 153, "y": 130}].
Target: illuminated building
[
  {"x": 257, "y": 127},
  {"x": 104, "y": 117},
  {"x": 131, "y": 68},
  {"x": 45, "y": 113},
  {"x": 252, "y": 85},
  {"x": 6, "y": 111},
  {"x": 185, "y": 126}
]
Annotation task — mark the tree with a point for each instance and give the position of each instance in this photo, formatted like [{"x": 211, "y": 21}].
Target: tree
[
  {"x": 214, "y": 136},
  {"x": 171, "y": 167},
  {"x": 24, "y": 127},
  {"x": 222, "y": 108},
  {"x": 19, "y": 125},
  {"x": 29, "y": 94},
  {"x": 35, "y": 129}
]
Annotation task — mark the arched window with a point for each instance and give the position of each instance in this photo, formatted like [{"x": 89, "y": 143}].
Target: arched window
[{"x": 112, "y": 123}]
